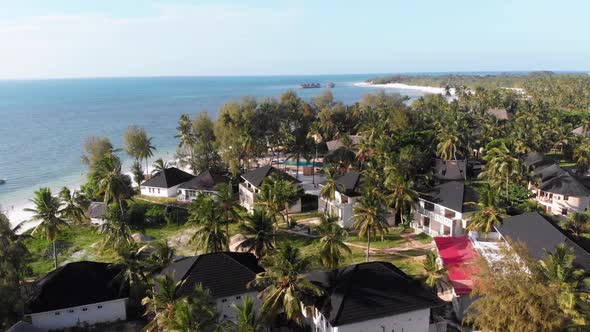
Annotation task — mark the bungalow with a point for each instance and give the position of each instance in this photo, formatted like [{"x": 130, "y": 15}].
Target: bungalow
[
  {"x": 97, "y": 212},
  {"x": 347, "y": 192},
  {"x": 374, "y": 296},
  {"x": 225, "y": 274},
  {"x": 540, "y": 236},
  {"x": 560, "y": 192},
  {"x": 458, "y": 257},
  {"x": 165, "y": 183},
  {"x": 203, "y": 184},
  {"x": 338, "y": 143},
  {"x": 444, "y": 210},
  {"x": 80, "y": 293},
  {"x": 253, "y": 179}
]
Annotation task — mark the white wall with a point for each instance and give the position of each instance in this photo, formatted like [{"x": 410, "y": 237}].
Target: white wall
[
  {"x": 558, "y": 202},
  {"x": 159, "y": 192},
  {"x": 413, "y": 321},
  {"x": 225, "y": 305},
  {"x": 87, "y": 314}
]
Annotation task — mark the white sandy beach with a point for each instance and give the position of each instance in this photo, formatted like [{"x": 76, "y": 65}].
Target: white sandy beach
[{"x": 427, "y": 89}]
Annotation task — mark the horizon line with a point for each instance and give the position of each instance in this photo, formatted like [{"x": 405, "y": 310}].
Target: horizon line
[{"x": 417, "y": 73}]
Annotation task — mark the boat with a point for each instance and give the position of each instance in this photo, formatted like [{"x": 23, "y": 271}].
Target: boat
[
  {"x": 331, "y": 85},
  {"x": 310, "y": 85}
]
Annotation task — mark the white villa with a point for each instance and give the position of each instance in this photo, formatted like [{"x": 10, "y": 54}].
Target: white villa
[
  {"x": 165, "y": 183},
  {"x": 96, "y": 212},
  {"x": 347, "y": 192},
  {"x": 253, "y": 179},
  {"x": 225, "y": 274},
  {"x": 445, "y": 209},
  {"x": 80, "y": 293},
  {"x": 203, "y": 184},
  {"x": 374, "y": 296}
]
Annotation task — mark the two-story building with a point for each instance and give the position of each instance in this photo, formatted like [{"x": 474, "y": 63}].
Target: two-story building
[
  {"x": 558, "y": 191},
  {"x": 76, "y": 294},
  {"x": 252, "y": 180},
  {"x": 203, "y": 184},
  {"x": 225, "y": 274},
  {"x": 348, "y": 189},
  {"x": 165, "y": 183},
  {"x": 374, "y": 296},
  {"x": 445, "y": 209}
]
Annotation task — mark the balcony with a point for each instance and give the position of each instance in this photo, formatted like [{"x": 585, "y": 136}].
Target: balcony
[{"x": 434, "y": 216}]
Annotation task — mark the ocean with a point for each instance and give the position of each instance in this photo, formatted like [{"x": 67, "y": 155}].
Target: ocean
[{"x": 43, "y": 123}]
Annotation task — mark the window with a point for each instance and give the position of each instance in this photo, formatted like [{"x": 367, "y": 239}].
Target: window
[
  {"x": 84, "y": 309},
  {"x": 99, "y": 306},
  {"x": 57, "y": 313},
  {"x": 158, "y": 190},
  {"x": 565, "y": 198},
  {"x": 71, "y": 311},
  {"x": 224, "y": 300},
  {"x": 428, "y": 206},
  {"x": 238, "y": 297},
  {"x": 564, "y": 211}
]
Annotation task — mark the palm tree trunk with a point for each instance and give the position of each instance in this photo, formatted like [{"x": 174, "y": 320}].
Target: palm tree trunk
[
  {"x": 147, "y": 172},
  {"x": 227, "y": 232},
  {"x": 54, "y": 254},
  {"x": 297, "y": 168},
  {"x": 368, "y": 245},
  {"x": 287, "y": 215}
]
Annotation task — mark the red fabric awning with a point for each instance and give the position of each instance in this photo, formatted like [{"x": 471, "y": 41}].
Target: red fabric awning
[{"x": 458, "y": 254}]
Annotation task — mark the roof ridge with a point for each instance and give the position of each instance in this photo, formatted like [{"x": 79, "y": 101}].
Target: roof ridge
[{"x": 347, "y": 287}]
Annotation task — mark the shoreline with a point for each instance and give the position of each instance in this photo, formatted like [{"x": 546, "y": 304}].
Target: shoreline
[{"x": 426, "y": 89}]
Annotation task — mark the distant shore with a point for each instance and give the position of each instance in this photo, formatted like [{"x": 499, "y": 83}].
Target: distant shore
[{"x": 426, "y": 89}]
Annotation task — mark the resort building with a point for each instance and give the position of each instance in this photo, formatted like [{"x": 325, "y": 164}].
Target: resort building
[
  {"x": 347, "y": 192},
  {"x": 165, "y": 183},
  {"x": 445, "y": 209},
  {"x": 203, "y": 184},
  {"x": 253, "y": 179},
  {"x": 374, "y": 296},
  {"x": 501, "y": 114},
  {"x": 580, "y": 131},
  {"x": 225, "y": 274},
  {"x": 97, "y": 212},
  {"x": 81, "y": 293},
  {"x": 458, "y": 257},
  {"x": 558, "y": 191},
  {"x": 540, "y": 236},
  {"x": 338, "y": 143}
]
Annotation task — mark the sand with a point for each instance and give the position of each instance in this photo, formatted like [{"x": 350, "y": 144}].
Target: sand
[{"x": 427, "y": 89}]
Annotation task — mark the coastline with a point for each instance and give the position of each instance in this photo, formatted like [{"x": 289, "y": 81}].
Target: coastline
[{"x": 425, "y": 89}]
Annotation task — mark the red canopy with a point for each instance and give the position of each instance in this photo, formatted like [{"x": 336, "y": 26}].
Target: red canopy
[{"x": 457, "y": 254}]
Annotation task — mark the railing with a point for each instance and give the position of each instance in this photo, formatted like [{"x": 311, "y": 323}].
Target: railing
[
  {"x": 440, "y": 218},
  {"x": 545, "y": 199}
]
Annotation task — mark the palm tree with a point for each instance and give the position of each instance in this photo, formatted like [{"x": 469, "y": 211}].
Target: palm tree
[
  {"x": 146, "y": 150},
  {"x": 276, "y": 194},
  {"x": 133, "y": 269},
  {"x": 577, "y": 223},
  {"x": 229, "y": 206},
  {"x": 138, "y": 174},
  {"x": 446, "y": 149},
  {"x": 47, "y": 212},
  {"x": 162, "y": 256},
  {"x": 401, "y": 195},
  {"x": 488, "y": 213},
  {"x": 284, "y": 285},
  {"x": 75, "y": 206},
  {"x": 332, "y": 246},
  {"x": 328, "y": 191},
  {"x": 434, "y": 273},
  {"x": 161, "y": 303},
  {"x": 247, "y": 320},
  {"x": 159, "y": 165},
  {"x": 260, "y": 225},
  {"x": 557, "y": 268},
  {"x": 369, "y": 217},
  {"x": 116, "y": 231},
  {"x": 582, "y": 156},
  {"x": 112, "y": 184},
  {"x": 210, "y": 236},
  {"x": 185, "y": 134},
  {"x": 501, "y": 165}
]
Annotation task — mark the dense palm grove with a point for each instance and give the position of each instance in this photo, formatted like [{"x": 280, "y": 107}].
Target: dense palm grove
[{"x": 395, "y": 156}]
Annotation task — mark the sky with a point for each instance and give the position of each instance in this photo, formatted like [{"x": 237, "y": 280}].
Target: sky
[{"x": 106, "y": 38}]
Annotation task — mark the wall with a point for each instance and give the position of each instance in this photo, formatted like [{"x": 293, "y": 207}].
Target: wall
[
  {"x": 413, "y": 321},
  {"x": 557, "y": 203},
  {"x": 90, "y": 314},
  {"x": 163, "y": 192},
  {"x": 226, "y": 309}
]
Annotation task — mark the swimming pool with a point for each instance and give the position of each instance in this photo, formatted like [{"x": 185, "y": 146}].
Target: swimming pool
[{"x": 301, "y": 163}]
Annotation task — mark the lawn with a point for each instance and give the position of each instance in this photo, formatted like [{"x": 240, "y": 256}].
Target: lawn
[
  {"x": 410, "y": 266},
  {"x": 423, "y": 238},
  {"x": 390, "y": 240}
]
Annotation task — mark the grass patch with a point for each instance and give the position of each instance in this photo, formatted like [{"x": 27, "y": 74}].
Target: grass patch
[
  {"x": 390, "y": 240},
  {"x": 410, "y": 266},
  {"x": 423, "y": 238},
  {"x": 302, "y": 216}
]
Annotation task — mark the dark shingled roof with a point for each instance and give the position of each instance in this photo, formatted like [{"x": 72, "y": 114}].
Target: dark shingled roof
[
  {"x": 206, "y": 180},
  {"x": 540, "y": 236},
  {"x": 366, "y": 291},
  {"x": 97, "y": 209},
  {"x": 256, "y": 176},
  {"x": 349, "y": 183},
  {"x": 450, "y": 169},
  {"x": 76, "y": 284},
  {"x": 547, "y": 172},
  {"x": 223, "y": 273},
  {"x": 337, "y": 143},
  {"x": 535, "y": 159},
  {"x": 454, "y": 195},
  {"x": 565, "y": 184},
  {"x": 168, "y": 178}
]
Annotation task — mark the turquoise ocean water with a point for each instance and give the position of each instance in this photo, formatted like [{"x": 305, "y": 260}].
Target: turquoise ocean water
[{"x": 44, "y": 122}]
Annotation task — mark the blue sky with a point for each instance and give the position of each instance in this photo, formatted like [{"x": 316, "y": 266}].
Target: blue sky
[{"x": 72, "y": 38}]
